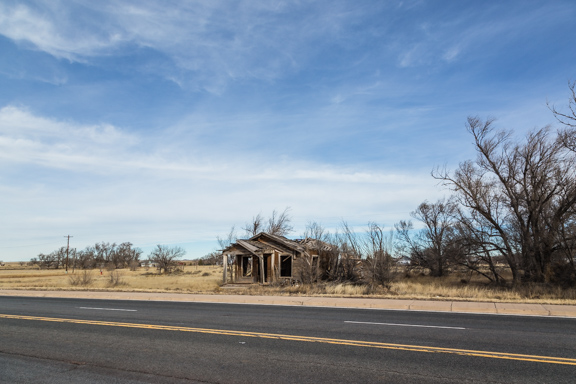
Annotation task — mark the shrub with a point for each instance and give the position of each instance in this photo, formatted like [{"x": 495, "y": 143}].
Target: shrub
[
  {"x": 83, "y": 279},
  {"x": 115, "y": 279}
]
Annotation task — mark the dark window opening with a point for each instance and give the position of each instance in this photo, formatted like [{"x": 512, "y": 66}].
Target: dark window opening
[
  {"x": 246, "y": 266},
  {"x": 285, "y": 266}
]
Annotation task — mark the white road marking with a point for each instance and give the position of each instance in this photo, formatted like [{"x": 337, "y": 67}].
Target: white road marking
[
  {"x": 110, "y": 309},
  {"x": 404, "y": 325}
]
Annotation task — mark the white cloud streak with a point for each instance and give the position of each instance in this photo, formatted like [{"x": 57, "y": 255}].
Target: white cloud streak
[
  {"x": 463, "y": 36},
  {"x": 123, "y": 193},
  {"x": 211, "y": 43}
]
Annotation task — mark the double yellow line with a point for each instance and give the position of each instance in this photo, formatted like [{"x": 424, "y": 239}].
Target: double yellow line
[{"x": 355, "y": 343}]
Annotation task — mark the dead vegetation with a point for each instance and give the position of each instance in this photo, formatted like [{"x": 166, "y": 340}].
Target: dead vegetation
[
  {"x": 207, "y": 279},
  {"x": 115, "y": 279},
  {"x": 423, "y": 287},
  {"x": 193, "y": 279},
  {"x": 83, "y": 279}
]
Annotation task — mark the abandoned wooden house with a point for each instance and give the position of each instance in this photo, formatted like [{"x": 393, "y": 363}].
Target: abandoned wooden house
[{"x": 267, "y": 258}]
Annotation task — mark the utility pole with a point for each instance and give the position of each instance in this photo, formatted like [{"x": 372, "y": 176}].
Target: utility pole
[{"x": 67, "y": 250}]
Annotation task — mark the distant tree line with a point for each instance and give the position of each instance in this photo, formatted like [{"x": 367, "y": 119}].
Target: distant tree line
[
  {"x": 212, "y": 258},
  {"x": 99, "y": 255},
  {"x": 110, "y": 256}
]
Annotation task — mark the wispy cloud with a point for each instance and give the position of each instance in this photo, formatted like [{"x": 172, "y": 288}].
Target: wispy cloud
[
  {"x": 49, "y": 143},
  {"x": 25, "y": 137},
  {"x": 157, "y": 194},
  {"x": 470, "y": 33},
  {"x": 212, "y": 42},
  {"x": 48, "y": 27}
]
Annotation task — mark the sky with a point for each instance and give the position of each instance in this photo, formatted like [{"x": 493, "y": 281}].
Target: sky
[{"x": 167, "y": 122}]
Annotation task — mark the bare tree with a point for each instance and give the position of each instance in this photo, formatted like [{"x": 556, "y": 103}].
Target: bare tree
[
  {"x": 279, "y": 223},
  {"x": 351, "y": 241},
  {"x": 377, "y": 249},
  {"x": 165, "y": 257},
  {"x": 55, "y": 259},
  {"x": 224, "y": 242},
  {"x": 319, "y": 253},
  {"x": 212, "y": 258},
  {"x": 433, "y": 246},
  {"x": 331, "y": 263},
  {"x": 337, "y": 259},
  {"x": 125, "y": 254},
  {"x": 316, "y": 231},
  {"x": 567, "y": 135},
  {"x": 524, "y": 193},
  {"x": 254, "y": 227},
  {"x": 91, "y": 256},
  {"x": 86, "y": 258},
  {"x": 104, "y": 252},
  {"x": 567, "y": 118},
  {"x": 366, "y": 256},
  {"x": 477, "y": 246}
]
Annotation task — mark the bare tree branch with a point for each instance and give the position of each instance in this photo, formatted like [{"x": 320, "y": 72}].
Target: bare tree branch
[{"x": 279, "y": 223}]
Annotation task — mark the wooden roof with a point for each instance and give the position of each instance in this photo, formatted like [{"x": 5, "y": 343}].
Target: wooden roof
[{"x": 265, "y": 242}]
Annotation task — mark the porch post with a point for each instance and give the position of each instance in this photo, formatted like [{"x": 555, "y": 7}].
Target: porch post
[
  {"x": 225, "y": 264},
  {"x": 262, "y": 272},
  {"x": 272, "y": 270}
]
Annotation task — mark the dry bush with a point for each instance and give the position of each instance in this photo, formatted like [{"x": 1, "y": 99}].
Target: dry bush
[
  {"x": 424, "y": 287},
  {"x": 115, "y": 279},
  {"x": 320, "y": 289},
  {"x": 134, "y": 265},
  {"x": 83, "y": 279},
  {"x": 475, "y": 289}
]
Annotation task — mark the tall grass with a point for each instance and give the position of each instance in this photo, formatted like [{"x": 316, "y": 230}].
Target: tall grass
[
  {"x": 422, "y": 288},
  {"x": 207, "y": 279}
]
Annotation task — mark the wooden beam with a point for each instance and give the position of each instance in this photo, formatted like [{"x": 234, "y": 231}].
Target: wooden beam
[
  {"x": 225, "y": 264},
  {"x": 272, "y": 274},
  {"x": 262, "y": 272}
]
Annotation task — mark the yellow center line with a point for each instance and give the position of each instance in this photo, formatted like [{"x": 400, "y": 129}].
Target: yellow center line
[{"x": 356, "y": 343}]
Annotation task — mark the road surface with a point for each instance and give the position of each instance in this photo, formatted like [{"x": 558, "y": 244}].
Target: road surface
[{"x": 46, "y": 340}]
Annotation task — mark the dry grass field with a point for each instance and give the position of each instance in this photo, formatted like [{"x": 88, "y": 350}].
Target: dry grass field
[
  {"x": 432, "y": 288},
  {"x": 458, "y": 286},
  {"x": 191, "y": 279},
  {"x": 208, "y": 279}
]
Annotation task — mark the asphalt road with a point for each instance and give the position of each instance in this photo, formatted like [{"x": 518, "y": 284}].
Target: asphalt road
[{"x": 46, "y": 340}]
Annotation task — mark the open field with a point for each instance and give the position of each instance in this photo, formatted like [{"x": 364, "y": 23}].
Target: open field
[
  {"x": 192, "y": 279},
  {"x": 208, "y": 279}
]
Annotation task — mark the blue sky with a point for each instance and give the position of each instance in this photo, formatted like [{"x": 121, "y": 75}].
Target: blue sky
[{"x": 167, "y": 122}]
